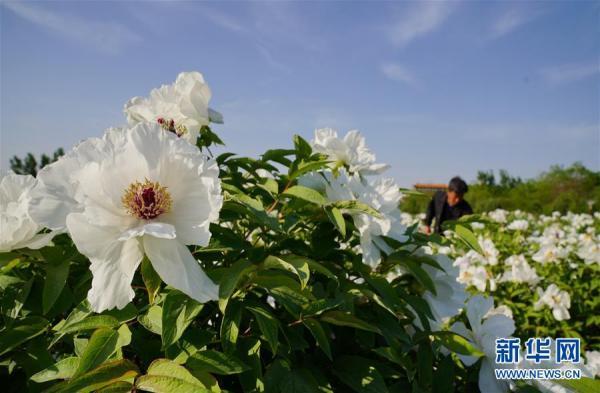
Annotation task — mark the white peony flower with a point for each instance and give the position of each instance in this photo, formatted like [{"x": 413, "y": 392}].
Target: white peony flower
[
  {"x": 474, "y": 275},
  {"x": 490, "y": 253},
  {"x": 351, "y": 151},
  {"x": 589, "y": 249},
  {"x": 520, "y": 271},
  {"x": 17, "y": 228},
  {"x": 142, "y": 192},
  {"x": 518, "y": 225},
  {"x": 382, "y": 194},
  {"x": 498, "y": 215},
  {"x": 477, "y": 226},
  {"x": 550, "y": 253},
  {"x": 181, "y": 108},
  {"x": 450, "y": 295},
  {"x": 485, "y": 329},
  {"x": 592, "y": 362},
  {"x": 559, "y": 301},
  {"x": 500, "y": 310}
]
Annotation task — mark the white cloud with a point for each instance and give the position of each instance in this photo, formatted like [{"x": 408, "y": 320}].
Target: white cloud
[
  {"x": 398, "y": 73},
  {"x": 570, "y": 72},
  {"x": 510, "y": 21},
  {"x": 423, "y": 18},
  {"x": 108, "y": 38}
]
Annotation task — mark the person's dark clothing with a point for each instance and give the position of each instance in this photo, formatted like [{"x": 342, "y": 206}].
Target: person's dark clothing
[{"x": 440, "y": 210}]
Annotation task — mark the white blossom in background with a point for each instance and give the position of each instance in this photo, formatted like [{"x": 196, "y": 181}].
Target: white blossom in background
[
  {"x": 181, "y": 108},
  {"x": 476, "y": 276},
  {"x": 381, "y": 194},
  {"x": 559, "y": 301},
  {"x": 143, "y": 192},
  {"x": 490, "y": 252},
  {"x": 518, "y": 225},
  {"x": 477, "y": 226},
  {"x": 350, "y": 151},
  {"x": 485, "y": 329},
  {"x": 500, "y": 310},
  {"x": 589, "y": 248},
  {"x": 592, "y": 362},
  {"x": 550, "y": 254},
  {"x": 498, "y": 215},
  {"x": 17, "y": 228},
  {"x": 520, "y": 271}
]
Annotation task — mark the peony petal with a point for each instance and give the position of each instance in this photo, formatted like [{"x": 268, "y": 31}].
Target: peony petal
[
  {"x": 156, "y": 229},
  {"x": 113, "y": 262},
  {"x": 40, "y": 240},
  {"x": 177, "y": 267},
  {"x": 487, "y": 379}
]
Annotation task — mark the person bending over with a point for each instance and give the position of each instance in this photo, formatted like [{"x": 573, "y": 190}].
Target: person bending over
[{"x": 448, "y": 205}]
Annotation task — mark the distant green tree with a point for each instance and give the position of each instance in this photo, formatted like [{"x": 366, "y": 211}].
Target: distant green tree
[
  {"x": 486, "y": 178},
  {"x": 30, "y": 166},
  {"x": 508, "y": 181}
]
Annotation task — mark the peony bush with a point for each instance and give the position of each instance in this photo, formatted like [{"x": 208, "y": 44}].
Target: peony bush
[{"x": 141, "y": 262}]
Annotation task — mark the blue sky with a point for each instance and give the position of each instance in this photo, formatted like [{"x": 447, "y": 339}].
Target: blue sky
[{"x": 437, "y": 88}]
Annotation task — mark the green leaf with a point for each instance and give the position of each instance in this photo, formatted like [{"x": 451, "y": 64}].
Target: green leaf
[
  {"x": 336, "y": 217},
  {"x": 306, "y": 194},
  {"x": 354, "y": 206},
  {"x": 151, "y": 279},
  {"x": 21, "y": 331},
  {"x": 216, "y": 362},
  {"x": 359, "y": 374},
  {"x": 270, "y": 186},
  {"x": 303, "y": 148},
  {"x": 321, "y": 305},
  {"x": 102, "y": 376},
  {"x": 166, "y": 376},
  {"x": 230, "y": 326},
  {"x": 90, "y": 323},
  {"x": 101, "y": 346},
  {"x": 444, "y": 376},
  {"x": 457, "y": 343},
  {"x": 294, "y": 264},
  {"x": 56, "y": 278},
  {"x": 124, "y": 336},
  {"x": 415, "y": 269},
  {"x": 299, "y": 380},
  {"x": 319, "y": 268},
  {"x": 278, "y": 155},
  {"x": 192, "y": 341},
  {"x": 468, "y": 237},
  {"x": 305, "y": 167},
  {"x": 152, "y": 320},
  {"x": 582, "y": 385},
  {"x": 117, "y": 387},
  {"x": 255, "y": 209},
  {"x": 341, "y": 318},
  {"x": 268, "y": 324},
  {"x": 126, "y": 314},
  {"x": 63, "y": 369},
  {"x": 319, "y": 334},
  {"x": 178, "y": 311},
  {"x": 230, "y": 280}
]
